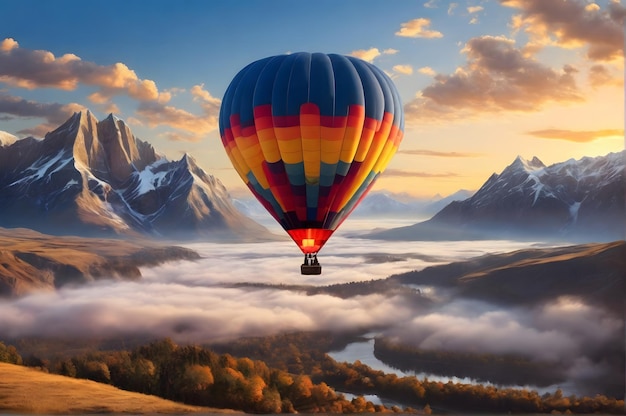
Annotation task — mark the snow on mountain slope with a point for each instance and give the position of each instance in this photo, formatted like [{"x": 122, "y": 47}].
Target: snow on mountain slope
[
  {"x": 95, "y": 177},
  {"x": 576, "y": 199}
]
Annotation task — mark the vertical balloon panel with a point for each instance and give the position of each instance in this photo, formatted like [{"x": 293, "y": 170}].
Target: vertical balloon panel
[{"x": 309, "y": 134}]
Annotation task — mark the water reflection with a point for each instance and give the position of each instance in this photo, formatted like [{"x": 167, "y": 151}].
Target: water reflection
[{"x": 363, "y": 351}]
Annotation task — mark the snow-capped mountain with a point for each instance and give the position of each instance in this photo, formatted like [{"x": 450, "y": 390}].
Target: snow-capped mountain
[
  {"x": 579, "y": 199},
  {"x": 388, "y": 204},
  {"x": 91, "y": 177},
  {"x": 379, "y": 203}
]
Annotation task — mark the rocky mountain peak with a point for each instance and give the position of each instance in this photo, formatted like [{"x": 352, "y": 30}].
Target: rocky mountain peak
[
  {"x": 89, "y": 177},
  {"x": 575, "y": 196},
  {"x": 524, "y": 165}
]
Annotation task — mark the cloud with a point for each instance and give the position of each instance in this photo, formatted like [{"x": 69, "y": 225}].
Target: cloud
[
  {"x": 176, "y": 136},
  {"x": 561, "y": 332},
  {"x": 426, "y": 70},
  {"x": 474, "y": 9},
  {"x": 410, "y": 174},
  {"x": 572, "y": 24},
  {"x": 451, "y": 8},
  {"x": 497, "y": 77},
  {"x": 36, "y": 68},
  {"x": 370, "y": 54},
  {"x": 403, "y": 69},
  {"x": 601, "y": 75},
  {"x": 208, "y": 101},
  {"x": 578, "y": 136},
  {"x": 199, "y": 301},
  {"x": 431, "y": 4},
  {"x": 418, "y": 28},
  {"x": 54, "y": 113},
  {"x": 155, "y": 114},
  {"x": 366, "y": 54},
  {"x": 197, "y": 295},
  {"x": 423, "y": 152}
]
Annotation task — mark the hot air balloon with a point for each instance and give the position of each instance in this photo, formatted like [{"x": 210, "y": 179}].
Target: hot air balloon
[{"x": 309, "y": 133}]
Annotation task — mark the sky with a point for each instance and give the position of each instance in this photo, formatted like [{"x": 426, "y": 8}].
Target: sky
[{"x": 481, "y": 81}]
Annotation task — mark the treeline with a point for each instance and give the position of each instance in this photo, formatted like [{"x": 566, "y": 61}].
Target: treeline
[
  {"x": 498, "y": 369},
  {"x": 199, "y": 376},
  {"x": 304, "y": 352},
  {"x": 290, "y": 373},
  {"x": 447, "y": 397}
]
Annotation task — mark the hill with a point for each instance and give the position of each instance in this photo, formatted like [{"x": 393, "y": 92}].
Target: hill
[
  {"x": 31, "y": 261},
  {"x": 26, "y": 390}
]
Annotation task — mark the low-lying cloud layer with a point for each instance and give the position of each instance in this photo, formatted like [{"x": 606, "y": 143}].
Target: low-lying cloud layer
[{"x": 199, "y": 302}]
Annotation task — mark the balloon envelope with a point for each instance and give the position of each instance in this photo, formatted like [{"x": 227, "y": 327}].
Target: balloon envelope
[{"x": 309, "y": 133}]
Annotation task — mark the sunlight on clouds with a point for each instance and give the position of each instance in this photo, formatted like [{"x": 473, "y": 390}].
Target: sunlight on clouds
[
  {"x": 577, "y": 136},
  {"x": 53, "y": 113},
  {"x": 370, "y": 54},
  {"x": 155, "y": 114},
  {"x": 34, "y": 69},
  {"x": 367, "y": 55},
  {"x": 403, "y": 69},
  {"x": 572, "y": 24},
  {"x": 426, "y": 70},
  {"x": 7, "y": 44},
  {"x": 601, "y": 75},
  {"x": 176, "y": 136},
  {"x": 497, "y": 77},
  {"x": 474, "y": 9},
  {"x": 418, "y": 28}
]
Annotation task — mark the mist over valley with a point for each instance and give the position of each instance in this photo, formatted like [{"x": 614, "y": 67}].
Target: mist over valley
[{"x": 423, "y": 287}]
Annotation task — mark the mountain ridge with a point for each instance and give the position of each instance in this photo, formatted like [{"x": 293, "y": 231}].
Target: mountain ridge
[
  {"x": 583, "y": 200},
  {"x": 91, "y": 177}
]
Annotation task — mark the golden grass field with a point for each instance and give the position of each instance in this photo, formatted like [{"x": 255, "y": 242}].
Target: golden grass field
[{"x": 26, "y": 390}]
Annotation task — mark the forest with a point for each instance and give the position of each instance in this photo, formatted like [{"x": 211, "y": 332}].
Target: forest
[{"x": 286, "y": 373}]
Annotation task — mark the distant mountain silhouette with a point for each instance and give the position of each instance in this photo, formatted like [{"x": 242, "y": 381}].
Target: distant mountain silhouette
[
  {"x": 582, "y": 200},
  {"x": 91, "y": 177},
  {"x": 381, "y": 203}
]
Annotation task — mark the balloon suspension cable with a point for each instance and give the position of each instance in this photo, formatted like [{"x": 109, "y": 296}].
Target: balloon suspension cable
[{"x": 311, "y": 265}]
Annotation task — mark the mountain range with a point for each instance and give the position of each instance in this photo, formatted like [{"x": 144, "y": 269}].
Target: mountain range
[
  {"x": 580, "y": 200},
  {"x": 95, "y": 178},
  {"x": 383, "y": 203}
]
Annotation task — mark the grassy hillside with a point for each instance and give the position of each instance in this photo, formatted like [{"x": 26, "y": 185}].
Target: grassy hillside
[
  {"x": 25, "y": 390},
  {"x": 31, "y": 261}
]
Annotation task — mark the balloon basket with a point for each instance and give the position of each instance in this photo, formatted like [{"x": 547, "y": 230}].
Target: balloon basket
[{"x": 311, "y": 269}]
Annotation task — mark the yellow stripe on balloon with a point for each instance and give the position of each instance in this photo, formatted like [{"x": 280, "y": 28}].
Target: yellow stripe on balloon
[
  {"x": 269, "y": 145},
  {"x": 352, "y": 135},
  {"x": 331, "y": 143},
  {"x": 310, "y": 131},
  {"x": 289, "y": 143},
  {"x": 367, "y": 135},
  {"x": 378, "y": 143},
  {"x": 389, "y": 150}
]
